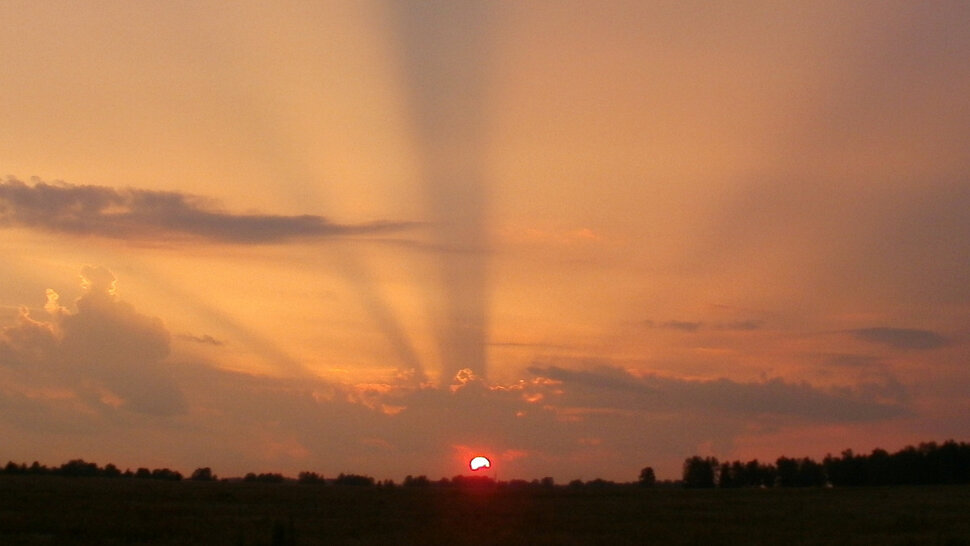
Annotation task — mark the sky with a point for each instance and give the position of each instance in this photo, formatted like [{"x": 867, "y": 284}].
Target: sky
[{"x": 580, "y": 238}]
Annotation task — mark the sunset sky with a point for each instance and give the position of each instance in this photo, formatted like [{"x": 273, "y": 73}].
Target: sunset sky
[{"x": 578, "y": 237}]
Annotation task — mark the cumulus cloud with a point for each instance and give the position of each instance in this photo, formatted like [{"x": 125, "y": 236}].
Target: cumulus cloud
[
  {"x": 901, "y": 338},
  {"x": 156, "y": 215},
  {"x": 105, "y": 352}
]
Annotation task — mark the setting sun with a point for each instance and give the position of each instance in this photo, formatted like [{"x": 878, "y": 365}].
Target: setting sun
[{"x": 479, "y": 463}]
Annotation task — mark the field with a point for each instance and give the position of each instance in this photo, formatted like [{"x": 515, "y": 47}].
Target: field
[{"x": 60, "y": 510}]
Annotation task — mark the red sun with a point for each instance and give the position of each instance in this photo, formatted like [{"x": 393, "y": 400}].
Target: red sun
[{"x": 478, "y": 463}]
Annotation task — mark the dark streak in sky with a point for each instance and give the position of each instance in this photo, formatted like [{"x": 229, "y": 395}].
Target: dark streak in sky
[
  {"x": 149, "y": 215},
  {"x": 444, "y": 50}
]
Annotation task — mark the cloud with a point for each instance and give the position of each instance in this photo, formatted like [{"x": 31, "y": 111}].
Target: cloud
[
  {"x": 610, "y": 387},
  {"x": 204, "y": 339},
  {"x": 742, "y": 325},
  {"x": 901, "y": 338},
  {"x": 681, "y": 325},
  {"x": 150, "y": 215},
  {"x": 105, "y": 352},
  {"x": 97, "y": 377},
  {"x": 696, "y": 326},
  {"x": 852, "y": 361}
]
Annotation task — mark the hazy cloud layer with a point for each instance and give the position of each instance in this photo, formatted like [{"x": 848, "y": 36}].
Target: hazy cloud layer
[
  {"x": 156, "y": 215},
  {"x": 901, "y": 338},
  {"x": 696, "y": 326},
  {"x": 609, "y": 387},
  {"x": 103, "y": 372}
]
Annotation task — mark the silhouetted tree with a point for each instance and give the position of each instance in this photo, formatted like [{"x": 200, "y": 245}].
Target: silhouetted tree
[
  {"x": 799, "y": 472},
  {"x": 111, "y": 471},
  {"x": 78, "y": 467},
  {"x": 143, "y": 473},
  {"x": 810, "y": 473},
  {"x": 647, "y": 477},
  {"x": 166, "y": 474},
  {"x": 472, "y": 481},
  {"x": 928, "y": 463},
  {"x": 420, "y": 481},
  {"x": 699, "y": 472},
  {"x": 877, "y": 468},
  {"x": 760, "y": 475},
  {"x": 267, "y": 477},
  {"x": 309, "y": 478},
  {"x": 951, "y": 462},
  {"x": 727, "y": 477},
  {"x": 353, "y": 479},
  {"x": 787, "y": 472},
  {"x": 906, "y": 466},
  {"x": 202, "y": 475},
  {"x": 750, "y": 474},
  {"x": 849, "y": 469}
]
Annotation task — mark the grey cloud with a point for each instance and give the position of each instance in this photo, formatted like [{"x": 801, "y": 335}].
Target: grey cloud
[
  {"x": 156, "y": 215},
  {"x": 613, "y": 387},
  {"x": 742, "y": 325},
  {"x": 204, "y": 339},
  {"x": 852, "y": 361},
  {"x": 682, "y": 325},
  {"x": 696, "y": 326},
  {"x": 875, "y": 376},
  {"x": 600, "y": 377},
  {"x": 901, "y": 338}
]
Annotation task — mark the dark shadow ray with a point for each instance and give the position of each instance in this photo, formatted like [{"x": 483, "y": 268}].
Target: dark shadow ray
[{"x": 444, "y": 51}]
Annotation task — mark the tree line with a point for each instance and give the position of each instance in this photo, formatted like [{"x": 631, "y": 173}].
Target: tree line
[
  {"x": 925, "y": 464},
  {"x": 928, "y": 463},
  {"x": 82, "y": 468}
]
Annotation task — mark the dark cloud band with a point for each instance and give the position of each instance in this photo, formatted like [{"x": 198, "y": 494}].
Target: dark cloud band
[
  {"x": 901, "y": 338},
  {"x": 157, "y": 215},
  {"x": 606, "y": 386}
]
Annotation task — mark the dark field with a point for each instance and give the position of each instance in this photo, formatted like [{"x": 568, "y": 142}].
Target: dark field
[{"x": 59, "y": 510}]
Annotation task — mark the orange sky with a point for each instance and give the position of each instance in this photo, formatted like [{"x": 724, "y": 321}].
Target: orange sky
[{"x": 651, "y": 230}]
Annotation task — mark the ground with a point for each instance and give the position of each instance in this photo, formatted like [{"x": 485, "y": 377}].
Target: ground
[{"x": 71, "y": 511}]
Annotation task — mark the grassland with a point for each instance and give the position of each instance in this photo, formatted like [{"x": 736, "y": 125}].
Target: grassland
[{"x": 71, "y": 511}]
